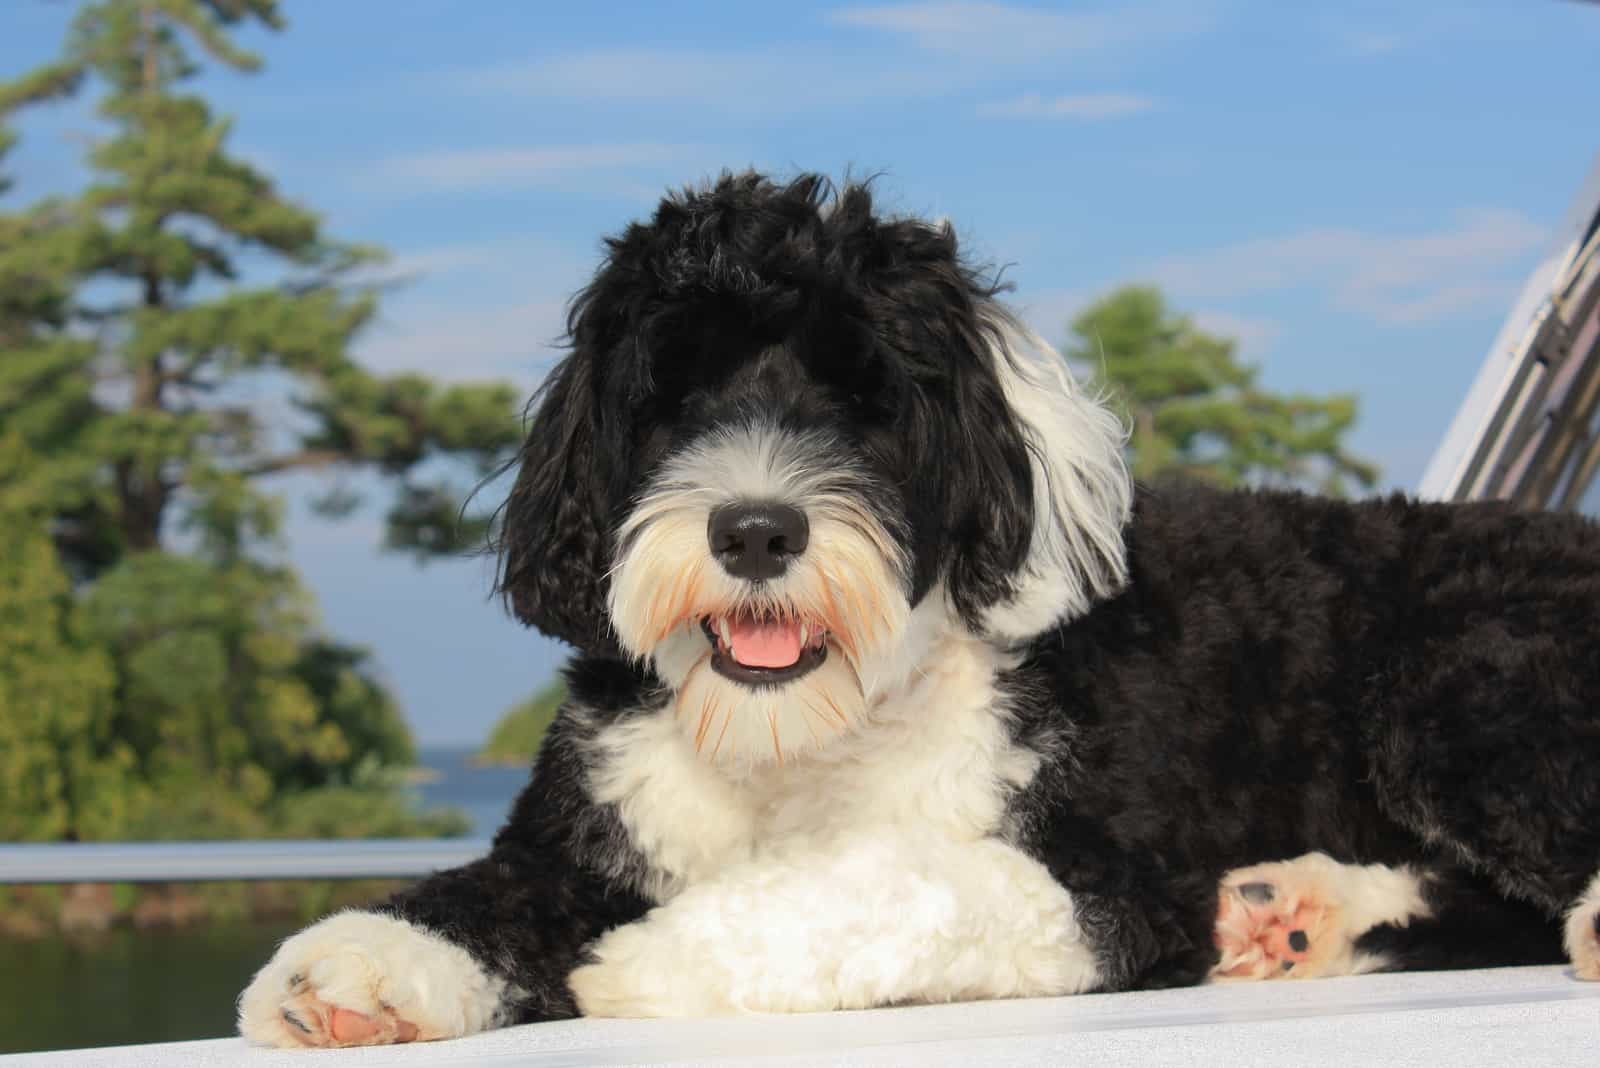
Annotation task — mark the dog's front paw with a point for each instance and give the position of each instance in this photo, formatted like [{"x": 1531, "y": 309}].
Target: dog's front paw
[
  {"x": 365, "y": 979},
  {"x": 646, "y": 969},
  {"x": 1299, "y": 919},
  {"x": 1582, "y": 934}
]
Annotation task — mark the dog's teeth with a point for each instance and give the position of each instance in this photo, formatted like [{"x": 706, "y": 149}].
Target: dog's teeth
[
  {"x": 805, "y": 633},
  {"x": 722, "y": 629}
]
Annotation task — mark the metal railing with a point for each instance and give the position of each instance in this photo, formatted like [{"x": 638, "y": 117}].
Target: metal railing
[
  {"x": 196, "y": 862},
  {"x": 1527, "y": 431}
]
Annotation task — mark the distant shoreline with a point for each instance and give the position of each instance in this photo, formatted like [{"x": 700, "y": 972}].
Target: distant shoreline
[{"x": 486, "y": 759}]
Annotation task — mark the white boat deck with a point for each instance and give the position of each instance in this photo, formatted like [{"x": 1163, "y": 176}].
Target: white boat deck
[{"x": 1502, "y": 1017}]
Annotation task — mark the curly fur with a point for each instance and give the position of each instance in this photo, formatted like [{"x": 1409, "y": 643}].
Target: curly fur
[{"x": 1062, "y": 710}]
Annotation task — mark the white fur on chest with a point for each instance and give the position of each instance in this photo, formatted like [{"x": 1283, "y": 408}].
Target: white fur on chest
[
  {"x": 936, "y": 761},
  {"x": 871, "y": 872}
]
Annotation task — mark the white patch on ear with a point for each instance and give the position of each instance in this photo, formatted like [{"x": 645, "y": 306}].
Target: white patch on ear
[
  {"x": 1082, "y": 493},
  {"x": 377, "y": 965}
]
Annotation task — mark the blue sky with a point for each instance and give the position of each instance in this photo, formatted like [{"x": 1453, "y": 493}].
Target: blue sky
[{"x": 1355, "y": 191}]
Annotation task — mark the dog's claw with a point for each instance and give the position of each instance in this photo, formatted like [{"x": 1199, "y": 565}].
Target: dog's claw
[{"x": 1256, "y": 893}]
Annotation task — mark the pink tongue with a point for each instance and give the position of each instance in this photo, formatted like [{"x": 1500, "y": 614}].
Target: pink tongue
[{"x": 765, "y": 645}]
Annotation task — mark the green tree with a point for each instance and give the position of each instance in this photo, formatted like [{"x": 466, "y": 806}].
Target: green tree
[
  {"x": 1195, "y": 410},
  {"x": 516, "y": 737},
  {"x": 156, "y": 374},
  {"x": 171, "y": 338},
  {"x": 62, "y": 772}
]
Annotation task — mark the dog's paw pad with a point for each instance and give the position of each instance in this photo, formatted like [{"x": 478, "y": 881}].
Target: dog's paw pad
[
  {"x": 364, "y": 979},
  {"x": 1277, "y": 921},
  {"x": 310, "y": 1021}
]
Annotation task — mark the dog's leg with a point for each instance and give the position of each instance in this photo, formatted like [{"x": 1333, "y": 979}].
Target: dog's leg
[
  {"x": 1301, "y": 918},
  {"x": 1582, "y": 933},
  {"x": 363, "y": 978},
  {"x": 851, "y": 925},
  {"x": 463, "y": 951},
  {"x": 476, "y": 947}
]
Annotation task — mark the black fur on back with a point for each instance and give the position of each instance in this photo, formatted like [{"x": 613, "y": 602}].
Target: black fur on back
[{"x": 1383, "y": 681}]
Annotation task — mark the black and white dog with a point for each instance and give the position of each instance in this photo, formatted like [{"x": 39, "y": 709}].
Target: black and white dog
[{"x": 891, "y": 688}]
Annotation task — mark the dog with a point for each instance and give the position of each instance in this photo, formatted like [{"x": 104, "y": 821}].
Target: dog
[{"x": 891, "y": 687}]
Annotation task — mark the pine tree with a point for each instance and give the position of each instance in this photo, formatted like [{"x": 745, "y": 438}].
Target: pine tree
[
  {"x": 134, "y": 386},
  {"x": 1194, "y": 410},
  {"x": 157, "y": 651},
  {"x": 61, "y": 771}
]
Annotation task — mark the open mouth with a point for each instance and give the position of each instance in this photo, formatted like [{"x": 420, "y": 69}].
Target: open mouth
[{"x": 764, "y": 650}]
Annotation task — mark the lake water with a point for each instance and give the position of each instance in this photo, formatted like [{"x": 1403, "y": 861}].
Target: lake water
[
  {"x": 484, "y": 794},
  {"x": 129, "y": 986}
]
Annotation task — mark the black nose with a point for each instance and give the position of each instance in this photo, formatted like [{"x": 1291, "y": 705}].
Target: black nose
[{"x": 756, "y": 540}]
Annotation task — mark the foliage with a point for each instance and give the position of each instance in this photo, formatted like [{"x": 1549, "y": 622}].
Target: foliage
[
  {"x": 63, "y": 773},
  {"x": 515, "y": 739},
  {"x": 1194, "y": 410},
  {"x": 171, "y": 338},
  {"x": 147, "y": 362}
]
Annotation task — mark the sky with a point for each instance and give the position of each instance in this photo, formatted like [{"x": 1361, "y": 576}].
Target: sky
[{"x": 1354, "y": 191}]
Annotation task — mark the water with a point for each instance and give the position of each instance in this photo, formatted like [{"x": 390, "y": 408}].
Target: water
[
  {"x": 484, "y": 794},
  {"x": 128, "y": 986}
]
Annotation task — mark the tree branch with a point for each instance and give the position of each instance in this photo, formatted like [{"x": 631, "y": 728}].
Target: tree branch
[{"x": 293, "y": 461}]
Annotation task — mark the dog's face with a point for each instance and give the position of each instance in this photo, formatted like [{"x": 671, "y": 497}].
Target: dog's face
[{"x": 792, "y": 443}]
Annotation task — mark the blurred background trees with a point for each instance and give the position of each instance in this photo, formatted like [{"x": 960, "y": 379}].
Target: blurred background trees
[
  {"x": 1194, "y": 410},
  {"x": 516, "y": 737},
  {"x": 172, "y": 336}
]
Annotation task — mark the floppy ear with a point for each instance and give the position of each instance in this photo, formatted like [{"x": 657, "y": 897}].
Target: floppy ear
[
  {"x": 1020, "y": 470},
  {"x": 1081, "y": 494},
  {"x": 554, "y": 544}
]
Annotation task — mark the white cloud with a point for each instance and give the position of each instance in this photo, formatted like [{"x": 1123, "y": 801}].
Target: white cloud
[
  {"x": 629, "y": 74},
  {"x": 422, "y": 263},
  {"x": 1009, "y": 33},
  {"x": 1447, "y": 301},
  {"x": 514, "y": 341},
  {"x": 1393, "y": 278},
  {"x": 503, "y": 168},
  {"x": 976, "y": 43},
  {"x": 1254, "y": 335},
  {"x": 1082, "y": 106},
  {"x": 1050, "y": 311},
  {"x": 756, "y": 84},
  {"x": 1368, "y": 43}
]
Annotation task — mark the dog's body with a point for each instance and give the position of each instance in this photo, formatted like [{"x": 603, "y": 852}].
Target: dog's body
[{"x": 889, "y": 689}]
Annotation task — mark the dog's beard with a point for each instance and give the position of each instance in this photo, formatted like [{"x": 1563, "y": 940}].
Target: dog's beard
[
  {"x": 734, "y": 723},
  {"x": 667, "y": 592}
]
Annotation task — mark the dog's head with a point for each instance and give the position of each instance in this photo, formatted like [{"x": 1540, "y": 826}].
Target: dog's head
[{"x": 793, "y": 440}]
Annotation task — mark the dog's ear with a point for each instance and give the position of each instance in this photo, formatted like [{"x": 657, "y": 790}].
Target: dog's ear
[
  {"x": 1080, "y": 496},
  {"x": 1021, "y": 473},
  {"x": 553, "y": 540}
]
